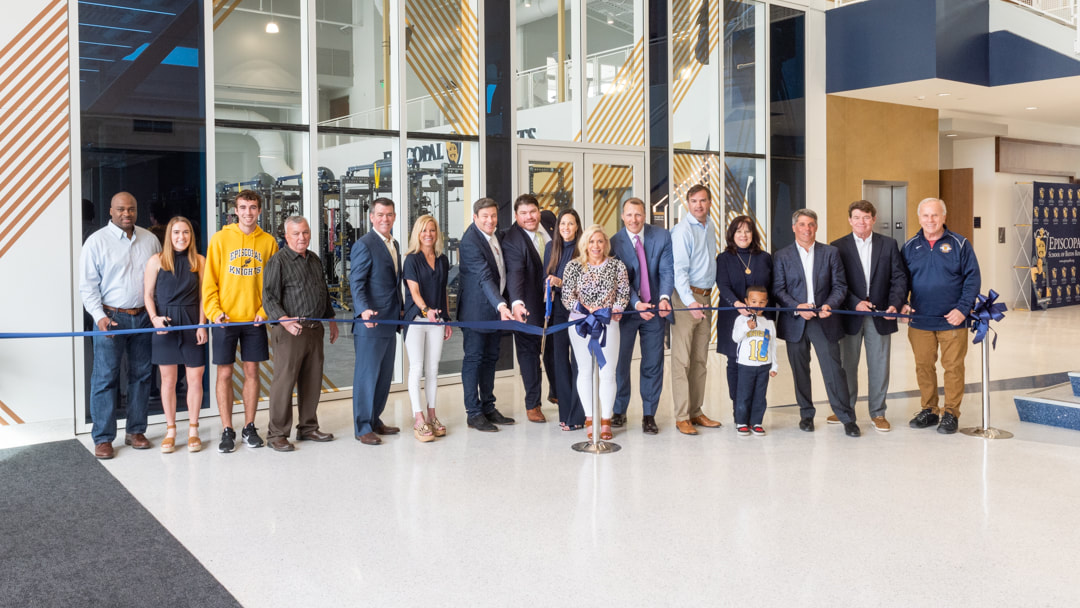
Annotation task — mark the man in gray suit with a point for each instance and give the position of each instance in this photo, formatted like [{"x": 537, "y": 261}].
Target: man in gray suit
[
  {"x": 809, "y": 276},
  {"x": 877, "y": 281}
]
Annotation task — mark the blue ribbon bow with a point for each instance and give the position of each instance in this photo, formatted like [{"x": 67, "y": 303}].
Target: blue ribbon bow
[
  {"x": 986, "y": 310},
  {"x": 594, "y": 327}
]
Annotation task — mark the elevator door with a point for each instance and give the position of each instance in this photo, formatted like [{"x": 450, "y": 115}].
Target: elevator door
[{"x": 890, "y": 199}]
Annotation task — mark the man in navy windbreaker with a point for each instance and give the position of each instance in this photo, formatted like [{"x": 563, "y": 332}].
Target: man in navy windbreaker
[{"x": 944, "y": 283}]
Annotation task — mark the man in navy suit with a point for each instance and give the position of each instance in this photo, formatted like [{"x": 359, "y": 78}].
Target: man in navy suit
[
  {"x": 809, "y": 275},
  {"x": 646, "y": 252},
  {"x": 482, "y": 289},
  {"x": 523, "y": 250},
  {"x": 375, "y": 279},
  {"x": 876, "y": 280}
]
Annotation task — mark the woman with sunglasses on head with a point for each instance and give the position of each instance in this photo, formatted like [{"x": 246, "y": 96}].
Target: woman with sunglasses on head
[{"x": 173, "y": 295}]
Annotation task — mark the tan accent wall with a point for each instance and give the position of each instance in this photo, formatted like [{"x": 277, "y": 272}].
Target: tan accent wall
[{"x": 870, "y": 140}]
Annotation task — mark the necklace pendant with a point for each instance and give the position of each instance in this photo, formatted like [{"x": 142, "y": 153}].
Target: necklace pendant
[{"x": 747, "y": 271}]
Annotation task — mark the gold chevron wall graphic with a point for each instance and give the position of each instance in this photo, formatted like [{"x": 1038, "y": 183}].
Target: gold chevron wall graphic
[
  {"x": 611, "y": 185},
  {"x": 6, "y": 414},
  {"x": 266, "y": 373},
  {"x": 35, "y": 131},
  {"x": 685, "y": 67},
  {"x": 441, "y": 49},
  {"x": 619, "y": 117},
  {"x": 222, "y": 10}
]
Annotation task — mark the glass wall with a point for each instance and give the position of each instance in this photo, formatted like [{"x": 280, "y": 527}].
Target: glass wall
[
  {"x": 546, "y": 73},
  {"x": 615, "y": 72},
  {"x": 787, "y": 110},
  {"x": 695, "y": 75},
  {"x": 355, "y": 59},
  {"x": 443, "y": 74},
  {"x": 142, "y": 121}
]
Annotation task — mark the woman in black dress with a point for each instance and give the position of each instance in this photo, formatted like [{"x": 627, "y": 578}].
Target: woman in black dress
[
  {"x": 560, "y": 250},
  {"x": 425, "y": 272},
  {"x": 173, "y": 295},
  {"x": 742, "y": 264}
]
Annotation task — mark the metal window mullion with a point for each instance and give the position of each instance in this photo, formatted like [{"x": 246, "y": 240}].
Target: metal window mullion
[
  {"x": 309, "y": 76},
  {"x": 481, "y": 98}
]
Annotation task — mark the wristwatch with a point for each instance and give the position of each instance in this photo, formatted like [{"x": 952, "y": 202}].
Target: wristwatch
[{"x": 425, "y": 310}]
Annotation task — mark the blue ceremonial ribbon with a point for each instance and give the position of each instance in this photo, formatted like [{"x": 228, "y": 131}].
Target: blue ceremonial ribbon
[
  {"x": 547, "y": 301},
  {"x": 594, "y": 327},
  {"x": 986, "y": 310}
]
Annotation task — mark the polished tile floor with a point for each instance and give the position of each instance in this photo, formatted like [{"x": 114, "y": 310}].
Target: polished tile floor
[{"x": 516, "y": 518}]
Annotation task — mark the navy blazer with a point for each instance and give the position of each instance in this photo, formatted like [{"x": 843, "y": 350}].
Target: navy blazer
[
  {"x": 478, "y": 278},
  {"x": 376, "y": 284},
  {"x": 888, "y": 280},
  {"x": 661, "y": 265},
  {"x": 524, "y": 272},
  {"x": 789, "y": 289}
]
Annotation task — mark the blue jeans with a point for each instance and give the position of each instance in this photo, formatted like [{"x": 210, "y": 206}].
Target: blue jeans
[
  {"x": 478, "y": 370},
  {"x": 105, "y": 378},
  {"x": 750, "y": 400}
]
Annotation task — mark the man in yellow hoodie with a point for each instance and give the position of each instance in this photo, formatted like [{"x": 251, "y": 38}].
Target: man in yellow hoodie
[{"x": 232, "y": 292}]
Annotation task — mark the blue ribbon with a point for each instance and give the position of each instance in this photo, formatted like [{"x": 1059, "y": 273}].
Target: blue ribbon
[
  {"x": 594, "y": 327},
  {"x": 547, "y": 300},
  {"x": 986, "y": 310}
]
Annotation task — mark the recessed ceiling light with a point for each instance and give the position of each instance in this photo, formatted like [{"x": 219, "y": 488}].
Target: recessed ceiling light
[
  {"x": 950, "y": 135},
  {"x": 943, "y": 94},
  {"x": 1032, "y": 108},
  {"x": 921, "y": 97}
]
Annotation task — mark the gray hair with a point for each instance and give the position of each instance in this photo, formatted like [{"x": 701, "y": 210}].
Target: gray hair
[
  {"x": 295, "y": 219},
  {"x": 944, "y": 211},
  {"x": 803, "y": 212}
]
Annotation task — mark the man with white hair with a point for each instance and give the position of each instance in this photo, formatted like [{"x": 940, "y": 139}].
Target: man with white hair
[{"x": 944, "y": 282}]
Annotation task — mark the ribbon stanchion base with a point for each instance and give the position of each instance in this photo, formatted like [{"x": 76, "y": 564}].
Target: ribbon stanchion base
[
  {"x": 600, "y": 447},
  {"x": 987, "y": 433}
]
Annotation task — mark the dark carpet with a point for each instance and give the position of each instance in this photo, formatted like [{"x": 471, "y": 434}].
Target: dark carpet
[{"x": 71, "y": 535}]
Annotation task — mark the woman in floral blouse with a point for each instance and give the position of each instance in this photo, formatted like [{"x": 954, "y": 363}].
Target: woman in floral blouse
[{"x": 595, "y": 285}]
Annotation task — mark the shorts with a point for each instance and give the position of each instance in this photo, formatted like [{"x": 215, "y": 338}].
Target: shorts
[
  {"x": 252, "y": 339},
  {"x": 177, "y": 348}
]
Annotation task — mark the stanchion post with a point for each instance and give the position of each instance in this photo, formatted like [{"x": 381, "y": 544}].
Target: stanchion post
[
  {"x": 986, "y": 431},
  {"x": 596, "y": 446}
]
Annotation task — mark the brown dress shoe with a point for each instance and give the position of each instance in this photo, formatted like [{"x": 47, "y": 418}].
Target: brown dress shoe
[
  {"x": 881, "y": 425},
  {"x": 535, "y": 415},
  {"x": 832, "y": 419},
  {"x": 103, "y": 451},
  {"x": 704, "y": 421},
  {"x": 685, "y": 427},
  {"x": 386, "y": 429},
  {"x": 315, "y": 435},
  {"x": 280, "y": 444},
  {"x": 369, "y": 439},
  {"x": 137, "y": 441}
]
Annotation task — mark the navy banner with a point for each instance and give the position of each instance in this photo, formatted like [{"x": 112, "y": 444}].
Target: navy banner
[{"x": 1056, "y": 248}]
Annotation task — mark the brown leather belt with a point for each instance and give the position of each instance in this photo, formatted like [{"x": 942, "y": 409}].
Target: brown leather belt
[
  {"x": 701, "y": 292},
  {"x": 126, "y": 311}
]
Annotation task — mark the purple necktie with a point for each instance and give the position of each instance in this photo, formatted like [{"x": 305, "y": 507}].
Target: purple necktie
[{"x": 643, "y": 271}]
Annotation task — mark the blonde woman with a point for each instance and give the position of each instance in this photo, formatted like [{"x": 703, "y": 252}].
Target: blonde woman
[
  {"x": 171, "y": 289},
  {"x": 595, "y": 288},
  {"x": 425, "y": 271}
]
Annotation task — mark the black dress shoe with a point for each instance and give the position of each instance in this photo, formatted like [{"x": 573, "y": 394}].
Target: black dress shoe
[
  {"x": 481, "y": 423},
  {"x": 648, "y": 425},
  {"x": 948, "y": 424},
  {"x": 806, "y": 424},
  {"x": 618, "y": 420},
  {"x": 924, "y": 419},
  {"x": 851, "y": 429},
  {"x": 498, "y": 418}
]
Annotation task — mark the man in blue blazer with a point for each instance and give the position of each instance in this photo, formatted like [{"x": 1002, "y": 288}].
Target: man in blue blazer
[
  {"x": 809, "y": 275},
  {"x": 481, "y": 298},
  {"x": 876, "y": 281},
  {"x": 375, "y": 279},
  {"x": 523, "y": 249},
  {"x": 646, "y": 252}
]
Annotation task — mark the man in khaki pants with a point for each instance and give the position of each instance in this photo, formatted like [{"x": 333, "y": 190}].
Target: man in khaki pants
[
  {"x": 693, "y": 250},
  {"x": 944, "y": 283}
]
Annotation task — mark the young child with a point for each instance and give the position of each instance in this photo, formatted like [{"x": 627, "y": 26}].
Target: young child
[{"x": 756, "y": 337}]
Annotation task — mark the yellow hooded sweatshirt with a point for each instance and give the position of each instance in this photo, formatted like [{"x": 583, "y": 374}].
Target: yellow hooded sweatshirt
[{"x": 233, "y": 280}]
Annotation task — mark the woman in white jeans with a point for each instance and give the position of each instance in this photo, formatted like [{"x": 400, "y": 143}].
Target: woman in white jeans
[
  {"x": 596, "y": 288},
  {"x": 425, "y": 271}
]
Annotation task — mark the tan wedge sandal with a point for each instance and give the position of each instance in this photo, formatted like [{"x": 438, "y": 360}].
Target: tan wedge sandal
[
  {"x": 168, "y": 444},
  {"x": 194, "y": 444}
]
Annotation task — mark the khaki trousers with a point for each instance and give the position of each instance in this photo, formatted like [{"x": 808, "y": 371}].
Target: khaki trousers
[
  {"x": 689, "y": 358},
  {"x": 298, "y": 362},
  {"x": 953, "y": 344}
]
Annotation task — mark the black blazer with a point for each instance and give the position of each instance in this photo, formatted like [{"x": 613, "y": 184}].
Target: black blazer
[
  {"x": 888, "y": 280},
  {"x": 789, "y": 289},
  {"x": 376, "y": 284},
  {"x": 478, "y": 278},
  {"x": 524, "y": 273}
]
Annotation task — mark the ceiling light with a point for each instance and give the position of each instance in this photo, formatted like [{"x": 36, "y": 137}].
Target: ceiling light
[
  {"x": 921, "y": 97},
  {"x": 1032, "y": 108},
  {"x": 528, "y": 3},
  {"x": 272, "y": 28},
  {"x": 610, "y": 20},
  {"x": 943, "y": 94},
  {"x": 950, "y": 135}
]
